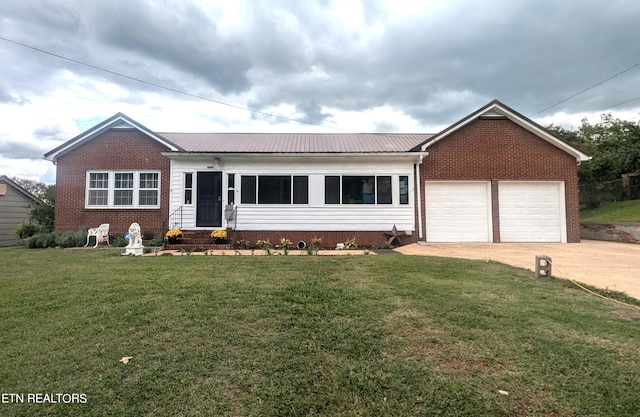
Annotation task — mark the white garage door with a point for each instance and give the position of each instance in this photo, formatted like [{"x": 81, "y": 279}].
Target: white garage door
[
  {"x": 532, "y": 212},
  {"x": 458, "y": 211}
]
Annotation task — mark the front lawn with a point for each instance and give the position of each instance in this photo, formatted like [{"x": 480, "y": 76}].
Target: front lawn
[
  {"x": 307, "y": 335},
  {"x": 619, "y": 212}
]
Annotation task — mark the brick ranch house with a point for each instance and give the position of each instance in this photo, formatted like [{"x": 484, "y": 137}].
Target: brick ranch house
[{"x": 494, "y": 176}]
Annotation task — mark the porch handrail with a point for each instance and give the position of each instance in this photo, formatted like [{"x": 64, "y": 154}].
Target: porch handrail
[{"x": 175, "y": 219}]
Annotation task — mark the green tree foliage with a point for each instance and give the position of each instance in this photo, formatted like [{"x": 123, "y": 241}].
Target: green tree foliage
[{"x": 614, "y": 145}]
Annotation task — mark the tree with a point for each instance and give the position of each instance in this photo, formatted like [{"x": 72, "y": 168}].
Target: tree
[
  {"x": 615, "y": 148},
  {"x": 43, "y": 209},
  {"x": 38, "y": 189}
]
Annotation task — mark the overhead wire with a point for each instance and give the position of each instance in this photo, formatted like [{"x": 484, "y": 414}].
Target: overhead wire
[
  {"x": 174, "y": 90},
  {"x": 585, "y": 90}
]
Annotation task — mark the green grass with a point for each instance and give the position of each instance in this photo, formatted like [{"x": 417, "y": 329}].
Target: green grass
[
  {"x": 622, "y": 211},
  {"x": 308, "y": 335}
]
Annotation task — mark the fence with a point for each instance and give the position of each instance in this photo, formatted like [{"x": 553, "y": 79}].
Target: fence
[{"x": 594, "y": 194}]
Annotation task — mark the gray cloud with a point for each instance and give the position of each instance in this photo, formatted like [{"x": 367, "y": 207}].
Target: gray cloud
[
  {"x": 435, "y": 65},
  {"x": 11, "y": 149}
]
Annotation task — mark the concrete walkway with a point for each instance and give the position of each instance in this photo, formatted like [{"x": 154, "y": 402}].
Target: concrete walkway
[{"x": 606, "y": 265}]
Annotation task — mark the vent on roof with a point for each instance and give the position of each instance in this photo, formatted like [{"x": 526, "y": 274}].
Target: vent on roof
[
  {"x": 492, "y": 114},
  {"x": 121, "y": 125},
  {"x": 3, "y": 189}
]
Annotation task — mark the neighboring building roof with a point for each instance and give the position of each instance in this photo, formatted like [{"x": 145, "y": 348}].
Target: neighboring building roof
[
  {"x": 6, "y": 180},
  {"x": 117, "y": 121},
  {"x": 296, "y": 142},
  {"x": 497, "y": 110}
]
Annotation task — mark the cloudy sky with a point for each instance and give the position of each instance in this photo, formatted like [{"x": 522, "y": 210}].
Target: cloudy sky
[{"x": 366, "y": 66}]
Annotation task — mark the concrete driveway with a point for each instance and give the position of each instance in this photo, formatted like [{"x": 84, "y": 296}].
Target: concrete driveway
[{"x": 606, "y": 265}]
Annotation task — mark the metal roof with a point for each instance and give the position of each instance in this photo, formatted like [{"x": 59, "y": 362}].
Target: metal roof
[{"x": 296, "y": 142}]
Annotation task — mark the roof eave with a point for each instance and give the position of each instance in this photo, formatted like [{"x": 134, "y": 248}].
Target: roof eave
[
  {"x": 119, "y": 120},
  {"x": 498, "y": 110},
  {"x": 18, "y": 188},
  {"x": 413, "y": 156}
]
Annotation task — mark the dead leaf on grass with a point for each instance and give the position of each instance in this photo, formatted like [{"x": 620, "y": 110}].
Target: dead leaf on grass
[
  {"x": 131, "y": 328},
  {"x": 126, "y": 359},
  {"x": 501, "y": 392}
]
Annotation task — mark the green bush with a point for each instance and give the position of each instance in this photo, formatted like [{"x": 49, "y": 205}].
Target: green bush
[
  {"x": 54, "y": 239},
  {"x": 119, "y": 241},
  {"x": 27, "y": 229}
]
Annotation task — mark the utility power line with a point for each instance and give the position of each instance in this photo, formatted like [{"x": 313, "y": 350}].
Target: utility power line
[
  {"x": 174, "y": 90},
  {"x": 586, "y": 89}
]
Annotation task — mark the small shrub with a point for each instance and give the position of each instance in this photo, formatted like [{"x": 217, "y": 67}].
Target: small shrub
[
  {"x": 284, "y": 244},
  {"x": 351, "y": 244},
  {"x": 26, "y": 230},
  {"x": 120, "y": 242},
  {"x": 265, "y": 245},
  {"x": 243, "y": 244},
  {"x": 31, "y": 242},
  {"x": 148, "y": 236},
  {"x": 316, "y": 242},
  {"x": 386, "y": 245},
  {"x": 69, "y": 240}
]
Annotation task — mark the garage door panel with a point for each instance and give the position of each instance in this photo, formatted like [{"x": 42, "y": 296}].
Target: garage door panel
[
  {"x": 458, "y": 211},
  {"x": 531, "y": 211}
]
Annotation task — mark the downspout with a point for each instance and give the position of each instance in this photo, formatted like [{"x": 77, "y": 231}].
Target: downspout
[{"x": 419, "y": 196}]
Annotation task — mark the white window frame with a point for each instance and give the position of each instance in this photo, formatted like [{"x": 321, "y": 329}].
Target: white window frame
[{"x": 111, "y": 189}]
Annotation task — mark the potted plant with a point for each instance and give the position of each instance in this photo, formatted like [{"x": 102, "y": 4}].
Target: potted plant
[
  {"x": 173, "y": 235},
  {"x": 219, "y": 236}
]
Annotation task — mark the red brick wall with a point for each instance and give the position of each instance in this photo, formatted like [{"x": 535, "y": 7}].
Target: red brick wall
[
  {"x": 115, "y": 149},
  {"x": 495, "y": 150},
  {"x": 329, "y": 238}
]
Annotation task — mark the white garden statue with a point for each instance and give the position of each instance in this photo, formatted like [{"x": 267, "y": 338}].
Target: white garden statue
[{"x": 135, "y": 241}]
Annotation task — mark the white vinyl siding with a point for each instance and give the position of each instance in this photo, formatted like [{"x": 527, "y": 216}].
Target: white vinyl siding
[
  {"x": 458, "y": 211},
  {"x": 532, "y": 211},
  {"x": 315, "y": 214}
]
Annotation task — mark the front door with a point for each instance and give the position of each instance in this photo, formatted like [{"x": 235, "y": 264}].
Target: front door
[{"x": 209, "y": 199}]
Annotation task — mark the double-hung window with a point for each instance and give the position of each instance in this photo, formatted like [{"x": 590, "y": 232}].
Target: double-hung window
[
  {"x": 123, "y": 189},
  {"x": 148, "y": 192},
  {"x": 98, "y": 189}
]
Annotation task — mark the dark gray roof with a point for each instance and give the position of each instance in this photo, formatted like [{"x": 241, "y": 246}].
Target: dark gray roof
[{"x": 296, "y": 142}]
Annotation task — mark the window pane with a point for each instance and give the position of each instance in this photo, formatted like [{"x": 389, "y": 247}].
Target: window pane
[
  {"x": 187, "y": 196},
  {"x": 332, "y": 190},
  {"x": 124, "y": 180},
  {"x": 148, "y": 180},
  {"x": 148, "y": 197},
  {"x": 188, "y": 180},
  {"x": 274, "y": 189},
  {"x": 300, "y": 190},
  {"x": 404, "y": 189},
  {"x": 99, "y": 180},
  {"x": 358, "y": 190},
  {"x": 384, "y": 190},
  {"x": 231, "y": 192},
  {"x": 98, "y": 197},
  {"x": 248, "y": 192},
  {"x": 123, "y": 198}
]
